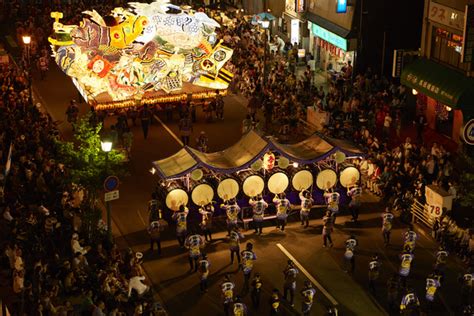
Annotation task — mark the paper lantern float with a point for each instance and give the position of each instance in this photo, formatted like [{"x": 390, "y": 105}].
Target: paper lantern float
[
  {"x": 268, "y": 161},
  {"x": 139, "y": 50}
]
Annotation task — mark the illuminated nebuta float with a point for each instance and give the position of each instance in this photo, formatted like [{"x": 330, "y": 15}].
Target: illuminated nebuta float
[{"x": 142, "y": 55}]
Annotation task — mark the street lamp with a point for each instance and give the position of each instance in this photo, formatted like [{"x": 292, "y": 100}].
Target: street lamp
[
  {"x": 265, "y": 24},
  {"x": 27, "y": 41},
  {"x": 106, "y": 146}
]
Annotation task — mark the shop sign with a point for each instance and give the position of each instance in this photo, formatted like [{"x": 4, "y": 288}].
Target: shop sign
[
  {"x": 413, "y": 79},
  {"x": 397, "y": 63},
  {"x": 445, "y": 15},
  {"x": 468, "y": 132},
  {"x": 295, "y": 31},
  {"x": 468, "y": 36},
  {"x": 341, "y": 6},
  {"x": 299, "y": 6},
  {"x": 290, "y": 7},
  {"x": 330, "y": 37}
]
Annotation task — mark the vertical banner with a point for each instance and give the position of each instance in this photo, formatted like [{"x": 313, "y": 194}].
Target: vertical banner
[
  {"x": 295, "y": 31},
  {"x": 341, "y": 6},
  {"x": 8, "y": 165},
  {"x": 299, "y": 6}
]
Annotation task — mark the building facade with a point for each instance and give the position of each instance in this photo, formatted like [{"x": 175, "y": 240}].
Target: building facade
[
  {"x": 441, "y": 78},
  {"x": 332, "y": 33}
]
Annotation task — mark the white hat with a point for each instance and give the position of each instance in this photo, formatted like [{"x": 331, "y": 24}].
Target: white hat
[{"x": 138, "y": 255}]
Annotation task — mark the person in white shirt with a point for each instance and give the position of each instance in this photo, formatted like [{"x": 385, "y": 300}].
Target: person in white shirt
[
  {"x": 281, "y": 44},
  {"x": 387, "y": 122},
  {"x": 6, "y": 215},
  {"x": 76, "y": 246},
  {"x": 136, "y": 284}
]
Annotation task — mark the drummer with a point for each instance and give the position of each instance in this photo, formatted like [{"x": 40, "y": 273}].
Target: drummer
[
  {"x": 153, "y": 209},
  {"x": 206, "y": 221},
  {"x": 258, "y": 207},
  {"x": 332, "y": 201},
  {"x": 283, "y": 205},
  {"x": 181, "y": 225},
  {"x": 354, "y": 192},
  {"x": 232, "y": 211},
  {"x": 306, "y": 204}
]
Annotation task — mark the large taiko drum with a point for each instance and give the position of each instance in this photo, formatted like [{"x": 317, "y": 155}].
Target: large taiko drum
[
  {"x": 277, "y": 181},
  {"x": 228, "y": 188},
  {"x": 326, "y": 179},
  {"x": 301, "y": 179},
  {"x": 175, "y": 195},
  {"x": 252, "y": 183},
  {"x": 202, "y": 192},
  {"x": 349, "y": 175}
]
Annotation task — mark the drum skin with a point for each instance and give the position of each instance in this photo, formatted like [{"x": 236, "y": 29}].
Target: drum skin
[
  {"x": 253, "y": 185},
  {"x": 228, "y": 189},
  {"x": 175, "y": 198},
  {"x": 302, "y": 180},
  {"x": 349, "y": 176},
  {"x": 278, "y": 182},
  {"x": 326, "y": 179},
  {"x": 202, "y": 194}
]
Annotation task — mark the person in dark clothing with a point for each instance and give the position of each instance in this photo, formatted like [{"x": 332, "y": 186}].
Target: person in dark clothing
[
  {"x": 146, "y": 120},
  {"x": 256, "y": 290}
]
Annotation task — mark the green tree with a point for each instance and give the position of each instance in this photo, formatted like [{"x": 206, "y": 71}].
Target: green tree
[
  {"x": 466, "y": 180},
  {"x": 88, "y": 165}
]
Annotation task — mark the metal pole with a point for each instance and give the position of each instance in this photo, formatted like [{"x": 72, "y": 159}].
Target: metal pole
[
  {"x": 359, "y": 47},
  {"x": 107, "y": 203},
  {"x": 383, "y": 53},
  {"x": 265, "y": 59},
  {"x": 28, "y": 62}
]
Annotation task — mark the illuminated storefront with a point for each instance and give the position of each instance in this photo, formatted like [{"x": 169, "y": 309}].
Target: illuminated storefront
[
  {"x": 332, "y": 41},
  {"x": 440, "y": 80},
  {"x": 331, "y": 50},
  {"x": 292, "y": 25}
]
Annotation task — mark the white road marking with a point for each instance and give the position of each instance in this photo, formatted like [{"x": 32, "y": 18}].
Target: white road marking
[
  {"x": 308, "y": 275},
  {"x": 141, "y": 218},
  {"x": 176, "y": 138}
]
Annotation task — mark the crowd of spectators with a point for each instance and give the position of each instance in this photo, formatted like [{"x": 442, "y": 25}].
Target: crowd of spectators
[
  {"x": 54, "y": 264},
  {"x": 51, "y": 268},
  {"x": 367, "y": 109}
]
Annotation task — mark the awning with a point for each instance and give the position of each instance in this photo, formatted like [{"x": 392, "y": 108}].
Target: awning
[
  {"x": 309, "y": 150},
  {"x": 176, "y": 165},
  {"x": 348, "y": 148},
  {"x": 247, "y": 150},
  {"x": 240, "y": 155},
  {"x": 441, "y": 83},
  {"x": 328, "y": 25}
]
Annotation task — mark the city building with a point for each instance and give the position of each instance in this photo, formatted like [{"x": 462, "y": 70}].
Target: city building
[{"x": 441, "y": 78}]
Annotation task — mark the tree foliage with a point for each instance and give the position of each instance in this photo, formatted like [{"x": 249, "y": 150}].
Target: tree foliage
[
  {"x": 85, "y": 159},
  {"x": 466, "y": 180}
]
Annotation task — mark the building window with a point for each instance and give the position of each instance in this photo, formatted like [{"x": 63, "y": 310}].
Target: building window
[{"x": 446, "y": 49}]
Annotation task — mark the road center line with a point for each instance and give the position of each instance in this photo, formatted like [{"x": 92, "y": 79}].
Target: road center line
[
  {"x": 176, "y": 138},
  {"x": 141, "y": 218},
  {"x": 308, "y": 275}
]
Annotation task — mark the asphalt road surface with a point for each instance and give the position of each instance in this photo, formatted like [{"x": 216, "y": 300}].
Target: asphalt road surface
[{"x": 179, "y": 289}]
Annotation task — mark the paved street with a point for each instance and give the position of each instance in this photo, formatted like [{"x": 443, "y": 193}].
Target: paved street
[{"x": 179, "y": 289}]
